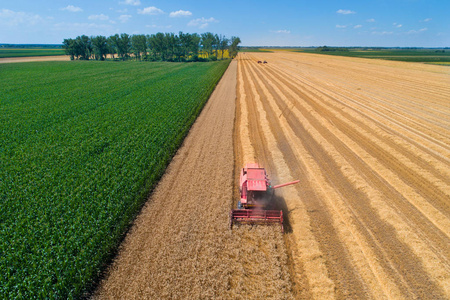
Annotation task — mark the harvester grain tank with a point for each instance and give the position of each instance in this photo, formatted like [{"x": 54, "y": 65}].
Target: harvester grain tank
[{"x": 256, "y": 204}]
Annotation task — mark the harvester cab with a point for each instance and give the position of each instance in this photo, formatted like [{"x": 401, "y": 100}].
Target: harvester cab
[{"x": 256, "y": 198}]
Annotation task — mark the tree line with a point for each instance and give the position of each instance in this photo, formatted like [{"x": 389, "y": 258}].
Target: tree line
[{"x": 155, "y": 47}]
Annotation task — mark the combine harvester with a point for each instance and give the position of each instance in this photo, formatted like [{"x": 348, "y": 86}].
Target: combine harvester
[{"x": 256, "y": 204}]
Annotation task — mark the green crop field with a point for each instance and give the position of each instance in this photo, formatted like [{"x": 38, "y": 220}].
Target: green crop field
[
  {"x": 25, "y": 52},
  {"x": 436, "y": 56},
  {"x": 81, "y": 146}
]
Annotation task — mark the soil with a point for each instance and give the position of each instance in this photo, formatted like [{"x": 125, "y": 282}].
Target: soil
[{"x": 5, "y": 60}]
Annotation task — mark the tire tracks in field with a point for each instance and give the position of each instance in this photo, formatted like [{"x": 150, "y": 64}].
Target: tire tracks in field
[
  {"x": 410, "y": 286},
  {"x": 411, "y": 243},
  {"x": 311, "y": 263},
  {"x": 357, "y": 100},
  {"x": 419, "y": 170},
  {"x": 336, "y": 256},
  {"x": 321, "y": 184},
  {"x": 401, "y": 80},
  {"x": 370, "y": 146}
]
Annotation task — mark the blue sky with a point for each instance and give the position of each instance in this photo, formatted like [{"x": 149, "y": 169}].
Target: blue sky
[{"x": 404, "y": 23}]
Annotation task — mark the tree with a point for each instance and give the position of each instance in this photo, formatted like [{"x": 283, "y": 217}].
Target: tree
[
  {"x": 139, "y": 45},
  {"x": 124, "y": 46},
  {"x": 185, "y": 39},
  {"x": 233, "y": 49},
  {"x": 69, "y": 48},
  {"x": 112, "y": 45},
  {"x": 223, "y": 43},
  {"x": 82, "y": 47},
  {"x": 172, "y": 46},
  {"x": 216, "y": 44},
  {"x": 158, "y": 44},
  {"x": 194, "y": 45},
  {"x": 100, "y": 47},
  {"x": 122, "y": 43},
  {"x": 207, "y": 42}
]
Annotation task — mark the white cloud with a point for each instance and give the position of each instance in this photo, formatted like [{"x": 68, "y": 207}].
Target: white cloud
[
  {"x": 357, "y": 26},
  {"x": 427, "y": 20},
  {"x": 72, "y": 8},
  {"x": 180, "y": 13},
  {"x": 100, "y": 17},
  {"x": 12, "y": 18},
  {"x": 341, "y": 26},
  {"x": 151, "y": 10},
  {"x": 131, "y": 2},
  {"x": 202, "y": 22},
  {"x": 281, "y": 31},
  {"x": 397, "y": 25},
  {"x": 85, "y": 28},
  {"x": 159, "y": 26},
  {"x": 76, "y": 26},
  {"x": 382, "y": 32},
  {"x": 345, "y": 12},
  {"x": 370, "y": 20},
  {"x": 124, "y": 18},
  {"x": 417, "y": 31}
]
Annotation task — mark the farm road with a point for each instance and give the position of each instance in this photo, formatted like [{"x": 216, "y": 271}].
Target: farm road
[{"x": 6, "y": 60}]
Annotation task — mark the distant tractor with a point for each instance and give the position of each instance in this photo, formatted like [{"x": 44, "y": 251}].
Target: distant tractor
[{"x": 256, "y": 198}]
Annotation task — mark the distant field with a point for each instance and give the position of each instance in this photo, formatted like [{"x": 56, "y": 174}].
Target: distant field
[
  {"x": 410, "y": 55},
  {"x": 254, "y": 49},
  {"x": 81, "y": 145},
  {"x": 19, "y": 52}
]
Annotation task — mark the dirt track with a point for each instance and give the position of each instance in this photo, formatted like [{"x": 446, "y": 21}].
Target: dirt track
[
  {"x": 370, "y": 142},
  {"x": 6, "y": 60}
]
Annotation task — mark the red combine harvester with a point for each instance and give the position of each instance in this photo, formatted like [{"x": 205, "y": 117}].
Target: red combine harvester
[{"x": 255, "y": 206}]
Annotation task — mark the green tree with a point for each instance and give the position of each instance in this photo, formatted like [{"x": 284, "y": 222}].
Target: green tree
[
  {"x": 122, "y": 44},
  {"x": 112, "y": 45},
  {"x": 207, "y": 42},
  {"x": 100, "y": 47},
  {"x": 216, "y": 44},
  {"x": 223, "y": 44},
  {"x": 194, "y": 45},
  {"x": 69, "y": 48},
  {"x": 83, "y": 47},
  {"x": 233, "y": 49},
  {"x": 185, "y": 39},
  {"x": 139, "y": 45},
  {"x": 158, "y": 44}
]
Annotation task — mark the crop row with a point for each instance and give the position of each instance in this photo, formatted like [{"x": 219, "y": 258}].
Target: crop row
[{"x": 81, "y": 146}]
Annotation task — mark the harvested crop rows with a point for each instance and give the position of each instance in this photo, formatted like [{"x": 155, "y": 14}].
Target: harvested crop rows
[{"x": 370, "y": 142}]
